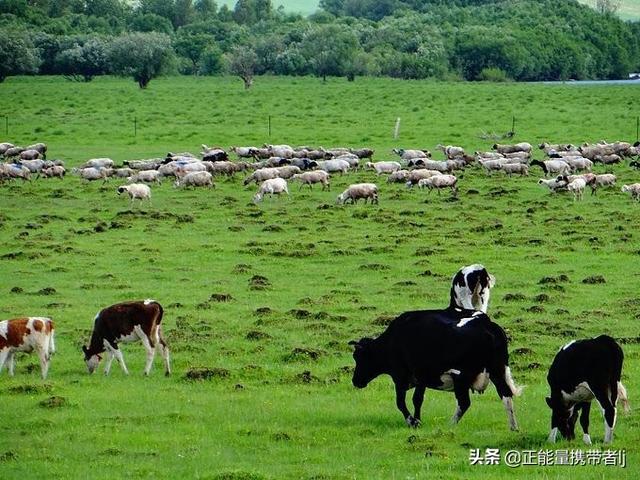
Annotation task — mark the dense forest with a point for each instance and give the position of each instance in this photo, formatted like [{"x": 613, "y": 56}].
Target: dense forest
[{"x": 497, "y": 40}]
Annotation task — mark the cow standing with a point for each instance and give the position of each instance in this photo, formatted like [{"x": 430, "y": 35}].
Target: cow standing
[
  {"x": 26, "y": 335},
  {"x": 581, "y": 371},
  {"x": 452, "y": 350},
  {"x": 123, "y": 323}
]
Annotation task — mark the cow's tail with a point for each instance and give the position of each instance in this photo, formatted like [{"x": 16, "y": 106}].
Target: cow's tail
[
  {"x": 515, "y": 389},
  {"x": 51, "y": 331},
  {"x": 622, "y": 397}
]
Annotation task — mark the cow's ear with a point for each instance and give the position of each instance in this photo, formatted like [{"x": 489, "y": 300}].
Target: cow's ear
[
  {"x": 548, "y": 400},
  {"x": 84, "y": 348},
  {"x": 354, "y": 343}
]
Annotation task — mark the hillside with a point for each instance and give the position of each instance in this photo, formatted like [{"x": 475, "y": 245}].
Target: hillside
[{"x": 629, "y": 10}]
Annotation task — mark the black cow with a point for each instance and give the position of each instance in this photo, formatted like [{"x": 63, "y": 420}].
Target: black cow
[
  {"x": 470, "y": 288},
  {"x": 452, "y": 350},
  {"x": 581, "y": 371}
]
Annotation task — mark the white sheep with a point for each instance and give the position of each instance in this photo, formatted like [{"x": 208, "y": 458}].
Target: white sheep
[
  {"x": 578, "y": 163},
  {"x": 411, "y": 154},
  {"x": 518, "y": 147},
  {"x": 195, "y": 179},
  {"x": 98, "y": 163},
  {"x": 13, "y": 170},
  {"x": 136, "y": 190},
  {"x": 633, "y": 189},
  {"x": 357, "y": 191},
  {"x": 54, "y": 171},
  {"x": 309, "y": 178},
  {"x": 399, "y": 176},
  {"x": 416, "y": 175},
  {"x": 271, "y": 186},
  {"x": 492, "y": 164},
  {"x": 146, "y": 176},
  {"x": 553, "y": 166},
  {"x": 554, "y": 184},
  {"x": 30, "y": 154},
  {"x": 335, "y": 165},
  {"x": 384, "y": 167},
  {"x": 519, "y": 168},
  {"x": 91, "y": 173},
  {"x": 603, "y": 180},
  {"x": 438, "y": 182},
  {"x": 577, "y": 188},
  {"x": 451, "y": 151}
]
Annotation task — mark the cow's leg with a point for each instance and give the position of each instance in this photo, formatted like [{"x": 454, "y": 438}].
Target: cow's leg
[
  {"x": 11, "y": 363},
  {"x": 584, "y": 422},
  {"x": 44, "y": 362},
  {"x": 461, "y": 390},
  {"x": 505, "y": 388},
  {"x": 608, "y": 412},
  {"x": 118, "y": 354},
  {"x": 151, "y": 351},
  {"x": 107, "y": 362},
  {"x": 401, "y": 391},
  {"x": 3, "y": 357},
  {"x": 418, "y": 398},
  {"x": 164, "y": 351}
]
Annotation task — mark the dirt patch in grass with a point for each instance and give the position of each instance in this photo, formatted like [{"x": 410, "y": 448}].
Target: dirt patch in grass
[
  {"x": 54, "y": 402},
  {"x": 258, "y": 282},
  {"x": 30, "y": 389},
  {"x": 594, "y": 280},
  {"x": 303, "y": 354},
  {"x": 206, "y": 373}
]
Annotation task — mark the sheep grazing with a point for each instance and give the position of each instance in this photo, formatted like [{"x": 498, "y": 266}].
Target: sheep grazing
[
  {"x": 554, "y": 184},
  {"x": 451, "y": 151},
  {"x": 214, "y": 154},
  {"x": 608, "y": 159},
  {"x": 309, "y": 178},
  {"x": 633, "y": 189},
  {"x": 13, "y": 152},
  {"x": 13, "y": 170},
  {"x": 245, "y": 152},
  {"x": 438, "y": 182},
  {"x": 124, "y": 172},
  {"x": 553, "y": 166},
  {"x": 283, "y": 151},
  {"x": 195, "y": 179},
  {"x": 261, "y": 175},
  {"x": 603, "y": 180},
  {"x": 357, "y": 191},
  {"x": 152, "y": 164},
  {"x": 271, "y": 187},
  {"x": 136, "y": 190},
  {"x": 98, "y": 163},
  {"x": 335, "y": 165},
  {"x": 90, "y": 174},
  {"x": 549, "y": 148},
  {"x": 577, "y": 188},
  {"x": 384, "y": 167},
  {"x": 416, "y": 175},
  {"x": 492, "y": 165},
  {"x": 225, "y": 167},
  {"x": 34, "y": 166},
  {"x": 146, "y": 176},
  {"x": 519, "y": 168},
  {"x": 40, "y": 147},
  {"x": 29, "y": 155},
  {"x": 578, "y": 163},
  {"x": 518, "y": 147},
  {"x": 411, "y": 154},
  {"x": 4, "y": 146},
  {"x": 54, "y": 171},
  {"x": 362, "y": 152},
  {"x": 399, "y": 176}
]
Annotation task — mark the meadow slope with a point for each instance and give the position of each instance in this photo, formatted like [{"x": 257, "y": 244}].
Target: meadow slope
[{"x": 263, "y": 299}]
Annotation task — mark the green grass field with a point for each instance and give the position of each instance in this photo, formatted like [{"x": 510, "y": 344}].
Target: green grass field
[{"x": 279, "y": 403}]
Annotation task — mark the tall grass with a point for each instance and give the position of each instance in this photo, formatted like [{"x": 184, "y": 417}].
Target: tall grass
[{"x": 279, "y": 403}]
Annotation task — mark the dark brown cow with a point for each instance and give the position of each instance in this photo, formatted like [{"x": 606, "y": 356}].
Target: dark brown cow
[{"x": 123, "y": 323}]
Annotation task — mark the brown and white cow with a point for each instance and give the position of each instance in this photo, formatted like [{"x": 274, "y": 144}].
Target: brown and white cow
[
  {"x": 123, "y": 323},
  {"x": 26, "y": 335}
]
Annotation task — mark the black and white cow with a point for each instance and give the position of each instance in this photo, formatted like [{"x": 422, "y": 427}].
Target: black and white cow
[
  {"x": 470, "y": 288},
  {"x": 123, "y": 323},
  {"x": 581, "y": 371},
  {"x": 453, "y": 350}
]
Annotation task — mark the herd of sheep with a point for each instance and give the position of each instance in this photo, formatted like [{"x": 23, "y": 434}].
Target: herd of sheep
[{"x": 271, "y": 166}]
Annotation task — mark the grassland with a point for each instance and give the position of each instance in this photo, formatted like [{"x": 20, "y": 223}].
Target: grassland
[{"x": 279, "y": 403}]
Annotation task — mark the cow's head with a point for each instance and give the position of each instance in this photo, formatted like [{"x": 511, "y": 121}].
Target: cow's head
[
  {"x": 562, "y": 417},
  {"x": 367, "y": 362},
  {"x": 91, "y": 359}
]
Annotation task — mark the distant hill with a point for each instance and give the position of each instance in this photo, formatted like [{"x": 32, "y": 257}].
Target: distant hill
[{"x": 629, "y": 10}]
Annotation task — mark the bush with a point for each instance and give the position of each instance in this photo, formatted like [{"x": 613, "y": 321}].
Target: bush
[{"x": 491, "y": 74}]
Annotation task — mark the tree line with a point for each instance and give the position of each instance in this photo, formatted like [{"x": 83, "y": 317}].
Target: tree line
[{"x": 498, "y": 40}]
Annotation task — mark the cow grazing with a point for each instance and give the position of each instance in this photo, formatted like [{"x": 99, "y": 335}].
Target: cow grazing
[
  {"x": 452, "y": 350},
  {"x": 123, "y": 323},
  {"x": 470, "y": 288},
  {"x": 581, "y": 371},
  {"x": 26, "y": 335}
]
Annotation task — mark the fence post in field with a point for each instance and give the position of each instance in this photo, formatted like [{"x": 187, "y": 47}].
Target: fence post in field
[
  {"x": 637, "y": 128},
  {"x": 135, "y": 126},
  {"x": 6, "y": 124},
  {"x": 396, "y": 131},
  {"x": 513, "y": 125},
  {"x": 269, "y": 125}
]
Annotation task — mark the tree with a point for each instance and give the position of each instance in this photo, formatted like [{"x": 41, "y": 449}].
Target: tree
[
  {"x": 191, "y": 46},
  {"x": 17, "y": 55},
  {"x": 150, "y": 22},
  {"x": 248, "y": 12},
  {"x": 608, "y": 7},
  {"x": 330, "y": 49},
  {"x": 83, "y": 62},
  {"x": 243, "y": 62},
  {"x": 205, "y": 8},
  {"x": 142, "y": 56}
]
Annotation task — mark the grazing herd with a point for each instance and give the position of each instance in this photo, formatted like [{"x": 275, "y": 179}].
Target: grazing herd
[
  {"x": 565, "y": 167},
  {"x": 458, "y": 348}
]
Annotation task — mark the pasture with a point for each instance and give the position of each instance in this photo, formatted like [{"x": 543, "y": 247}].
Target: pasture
[{"x": 260, "y": 301}]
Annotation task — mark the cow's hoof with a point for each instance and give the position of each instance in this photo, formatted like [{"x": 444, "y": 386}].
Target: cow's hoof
[{"x": 413, "y": 422}]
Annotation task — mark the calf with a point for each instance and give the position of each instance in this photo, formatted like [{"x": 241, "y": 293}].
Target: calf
[
  {"x": 127, "y": 322},
  {"x": 26, "y": 335},
  {"x": 581, "y": 371},
  {"x": 470, "y": 288},
  {"x": 452, "y": 350}
]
